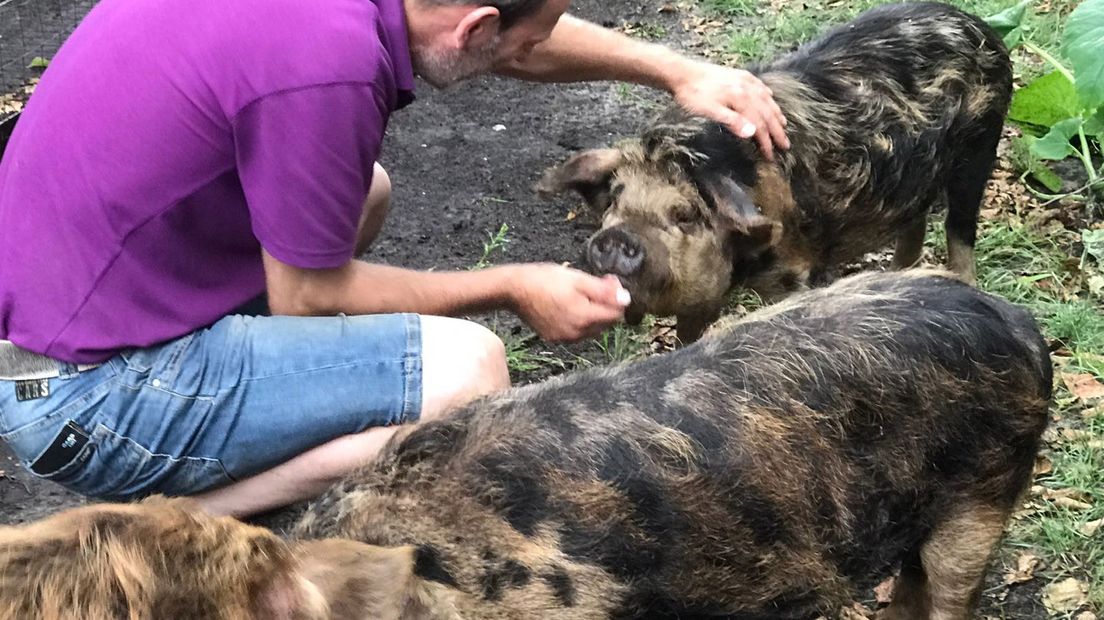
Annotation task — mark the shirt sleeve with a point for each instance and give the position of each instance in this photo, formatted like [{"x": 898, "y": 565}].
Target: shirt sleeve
[{"x": 305, "y": 160}]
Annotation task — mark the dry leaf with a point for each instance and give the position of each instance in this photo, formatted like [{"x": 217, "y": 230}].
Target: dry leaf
[
  {"x": 1085, "y": 615},
  {"x": 570, "y": 216},
  {"x": 1083, "y": 385},
  {"x": 1090, "y": 528},
  {"x": 1075, "y": 434},
  {"x": 1043, "y": 465},
  {"x": 1065, "y": 596},
  {"x": 1072, "y": 504},
  {"x": 857, "y": 611},
  {"x": 1066, "y": 493},
  {"x": 1026, "y": 565},
  {"x": 883, "y": 593}
]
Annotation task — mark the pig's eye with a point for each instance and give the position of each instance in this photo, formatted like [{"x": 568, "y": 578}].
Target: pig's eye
[{"x": 684, "y": 217}]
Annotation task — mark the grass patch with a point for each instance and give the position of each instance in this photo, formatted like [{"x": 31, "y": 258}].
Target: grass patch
[
  {"x": 622, "y": 342},
  {"x": 757, "y": 31}
]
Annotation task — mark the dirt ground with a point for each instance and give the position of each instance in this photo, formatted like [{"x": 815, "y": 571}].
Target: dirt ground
[{"x": 463, "y": 163}]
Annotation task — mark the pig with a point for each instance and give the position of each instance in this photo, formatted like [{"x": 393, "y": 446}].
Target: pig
[
  {"x": 891, "y": 116},
  {"x": 887, "y": 422}
]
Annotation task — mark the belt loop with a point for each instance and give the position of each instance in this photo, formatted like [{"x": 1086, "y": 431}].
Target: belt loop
[{"x": 67, "y": 370}]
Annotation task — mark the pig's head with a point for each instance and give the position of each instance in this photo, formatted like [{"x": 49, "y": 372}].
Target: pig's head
[{"x": 679, "y": 219}]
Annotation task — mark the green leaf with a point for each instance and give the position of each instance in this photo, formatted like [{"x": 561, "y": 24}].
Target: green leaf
[
  {"x": 1009, "y": 23},
  {"x": 1047, "y": 177},
  {"x": 1095, "y": 125},
  {"x": 1045, "y": 101},
  {"x": 1056, "y": 144},
  {"x": 1084, "y": 46},
  {"x": 1093, "y": 241},
  {"x": 39, "y": 63}
]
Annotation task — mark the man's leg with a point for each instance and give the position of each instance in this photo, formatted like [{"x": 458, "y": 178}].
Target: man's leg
[
  {"x": 376, "y": 207},
  {"x": 460, "y": 361}
]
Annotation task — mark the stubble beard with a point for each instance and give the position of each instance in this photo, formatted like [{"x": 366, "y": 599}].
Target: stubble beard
[{"x": 444, "y": 68}]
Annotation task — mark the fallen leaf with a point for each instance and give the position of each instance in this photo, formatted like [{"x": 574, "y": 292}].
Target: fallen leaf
[
  {"x": 1083, "y": 385},
  {"x": 1072, "y": 504},
  {"x": 883, "y": 593},
  {"x": 1065, "y": 596},
  {"x": 1085, "y": 615},
  {"x": 1076, "y": 434},
  {"x": 1026, "y": 565},
  {"x": 1090, "y": 528},
  {"x": 570, "y": 216},
  {"x": 1043, "y": 465},
  {"x": 1066, "y": 493},
  {"x": 1096, "y": 285},
  {"x": 857, "y": 611}
]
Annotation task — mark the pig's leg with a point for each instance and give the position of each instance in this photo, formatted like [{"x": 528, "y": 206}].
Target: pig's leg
[
  {"x": 690, "y": 327},
  {"x": 966, "y": 183},
  {"x": 910, "y": 244},
  {"x": 955, "y": 556},
  {"x": 910, "y": 593}
]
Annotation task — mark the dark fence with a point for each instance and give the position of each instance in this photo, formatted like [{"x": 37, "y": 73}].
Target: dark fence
[{"x": 31, "y": 29}]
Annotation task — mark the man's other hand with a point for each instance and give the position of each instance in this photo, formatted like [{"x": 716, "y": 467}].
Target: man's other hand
[{"x": 736, "y": 99}]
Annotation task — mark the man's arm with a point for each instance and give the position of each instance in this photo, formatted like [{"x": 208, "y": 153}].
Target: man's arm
[
  {"x": 560, "y": 304},
  {"x": 581, "y": 51}
]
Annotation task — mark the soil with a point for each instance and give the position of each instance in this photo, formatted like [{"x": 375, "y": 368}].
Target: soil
[{"x": 462, "y": 163}]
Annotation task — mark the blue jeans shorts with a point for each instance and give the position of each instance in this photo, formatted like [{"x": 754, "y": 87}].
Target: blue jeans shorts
[{"x": 218, "y": 405}]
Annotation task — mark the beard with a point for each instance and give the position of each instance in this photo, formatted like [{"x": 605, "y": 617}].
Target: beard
[{"x": 443, "y": 68}]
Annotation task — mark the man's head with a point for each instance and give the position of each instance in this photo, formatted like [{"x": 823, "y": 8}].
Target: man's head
[{"x": 453, "y": 40}]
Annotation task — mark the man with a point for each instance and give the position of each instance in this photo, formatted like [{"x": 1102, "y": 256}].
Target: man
[{"x": 181, "y": 158}]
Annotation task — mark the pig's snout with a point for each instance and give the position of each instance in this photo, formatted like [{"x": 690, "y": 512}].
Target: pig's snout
[{"x": 615, "y": 251}]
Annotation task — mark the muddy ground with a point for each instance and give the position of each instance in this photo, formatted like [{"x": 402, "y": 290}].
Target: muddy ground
[{"x": 463, "y": 163}]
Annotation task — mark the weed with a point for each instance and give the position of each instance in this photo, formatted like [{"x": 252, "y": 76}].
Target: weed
[
  {"x": 621, "y": 342},
  {"x": 495, "y": 242}
]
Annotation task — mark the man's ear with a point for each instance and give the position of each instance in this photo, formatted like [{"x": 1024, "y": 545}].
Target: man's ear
[
  {"x": 478, "y": 28},
  {"x": 589, "y": 173},
  {"x": 733, "y": 211}
]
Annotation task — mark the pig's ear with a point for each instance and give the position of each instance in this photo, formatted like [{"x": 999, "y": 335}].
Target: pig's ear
[
  {"x": 588, "y": 173},
  {"x": 346, "y": 579},
  {"x": 733, "y": 211}
]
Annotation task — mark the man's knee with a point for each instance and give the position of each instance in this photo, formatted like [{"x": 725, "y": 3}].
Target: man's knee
[{"x": 461, "y": 360}]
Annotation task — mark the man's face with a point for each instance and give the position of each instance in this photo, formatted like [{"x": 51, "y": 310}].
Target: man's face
[{"x": 443, "y": 67}]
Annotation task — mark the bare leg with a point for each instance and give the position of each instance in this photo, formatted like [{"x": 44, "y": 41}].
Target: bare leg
[
  {"x": 910, "y": 245},
  {"x": 376, "y": 207},
  {"x": 460, "y": 361}
]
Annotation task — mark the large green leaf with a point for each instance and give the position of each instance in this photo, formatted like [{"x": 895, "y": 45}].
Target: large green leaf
[
  {"x": 1095, "y": 125},
  {"x": 1056, "y": 144},
  {"x": 1045, "y": 101},
  {"x": 1084, "y": 46},
  {"x": 1009, "y": 23}
]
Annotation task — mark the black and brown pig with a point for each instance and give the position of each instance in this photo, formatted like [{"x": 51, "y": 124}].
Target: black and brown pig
[
  {"x": 888, "y": 420},
  {"x": 891, "y": 116}
]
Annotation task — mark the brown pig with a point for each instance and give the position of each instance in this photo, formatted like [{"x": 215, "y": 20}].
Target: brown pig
[
  {"x": 887, "y": 421},
  {"x": 891, "y": 116}
]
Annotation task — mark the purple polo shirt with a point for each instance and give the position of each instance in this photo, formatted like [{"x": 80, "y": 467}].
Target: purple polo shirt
[{"x": 168, "y": 142}]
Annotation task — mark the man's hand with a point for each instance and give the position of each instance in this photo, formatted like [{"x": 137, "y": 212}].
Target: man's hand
[
  {"x": 735, "y": 98},
  {"x": 564, "y": 305}
]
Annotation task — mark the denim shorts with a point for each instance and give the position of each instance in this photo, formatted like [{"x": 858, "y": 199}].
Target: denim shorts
[{"x": 218, "y": 405}]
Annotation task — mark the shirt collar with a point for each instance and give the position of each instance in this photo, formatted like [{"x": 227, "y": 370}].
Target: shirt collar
[{"x": 393, "y": 19}]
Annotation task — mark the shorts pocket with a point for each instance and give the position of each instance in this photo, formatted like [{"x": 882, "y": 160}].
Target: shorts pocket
[{"x": 116, "y": 468}]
